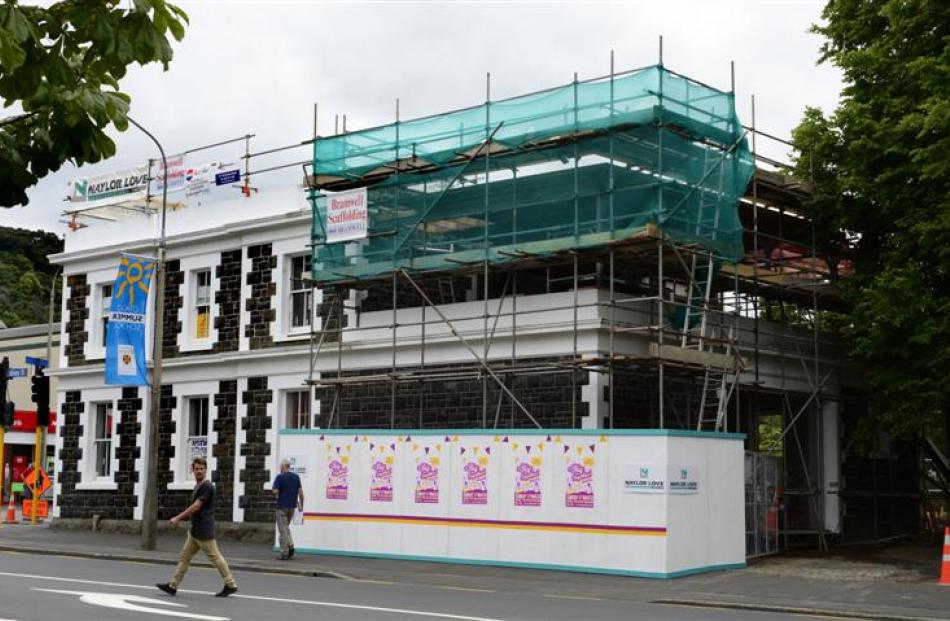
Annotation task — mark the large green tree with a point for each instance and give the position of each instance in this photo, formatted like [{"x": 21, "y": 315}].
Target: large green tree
[
  {"x": 881, "y": 167},
  {"x": 60, "y": 68}
]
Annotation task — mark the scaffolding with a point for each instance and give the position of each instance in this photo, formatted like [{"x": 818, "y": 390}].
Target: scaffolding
[{"x": 642, "y": 186}]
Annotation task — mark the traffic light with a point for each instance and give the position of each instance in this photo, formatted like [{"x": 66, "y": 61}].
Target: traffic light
[
  {"x": 40, "y": 388},
  {"x": 4, "y": 369}
]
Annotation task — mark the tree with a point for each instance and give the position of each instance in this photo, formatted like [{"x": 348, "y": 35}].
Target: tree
[
  {"x": 881, "y": 169},
  {"x": 26, "y": 275},
  {"x": 61, "y": 67}
]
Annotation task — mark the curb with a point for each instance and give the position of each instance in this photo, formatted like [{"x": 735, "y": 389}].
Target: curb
[
  {"x": 796, "y": 610},
  {"x": 237, "y": 565}
]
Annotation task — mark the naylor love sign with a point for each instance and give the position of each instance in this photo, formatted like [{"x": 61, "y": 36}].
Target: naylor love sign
[{"x": 347, "y": 216}]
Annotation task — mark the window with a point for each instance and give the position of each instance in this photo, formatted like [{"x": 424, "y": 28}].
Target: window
[
  {"x": 298, "y": 409},
  {"x": 196, "y": 442},
  {"x": 106, "y": 297},
  {"x": 102, "y": 439},
  {"x": 202, "y": 312},
  {"x": 300, "y": 292}
]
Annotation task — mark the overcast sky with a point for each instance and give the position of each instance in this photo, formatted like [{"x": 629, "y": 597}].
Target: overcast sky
[{"x": 259, "y": 66}]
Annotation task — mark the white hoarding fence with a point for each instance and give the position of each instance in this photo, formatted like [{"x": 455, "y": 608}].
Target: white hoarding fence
[{"x": 566, "y": 499}]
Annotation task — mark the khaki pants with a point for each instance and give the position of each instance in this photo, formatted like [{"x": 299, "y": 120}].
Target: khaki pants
[
  {"x": 210, "y": 548},
  {"x": 284, "y": 517}
]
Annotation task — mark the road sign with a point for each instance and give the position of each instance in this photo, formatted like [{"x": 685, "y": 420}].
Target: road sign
[
  {"x": 40, "y": 478},
  {"x": 42, "y": 509},
  {"x": 16, "y": 372},
  {"x": 37, "y": 362}
]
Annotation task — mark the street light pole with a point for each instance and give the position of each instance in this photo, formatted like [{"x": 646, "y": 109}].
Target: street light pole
[{"x": 150, "y": 502}]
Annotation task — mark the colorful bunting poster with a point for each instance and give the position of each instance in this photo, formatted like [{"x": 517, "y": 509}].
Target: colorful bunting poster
[
  {"x": 579, "y": 469},
  {"x": 382, "y": 460},
  {"x": 338, "y": 481},
  {"x": 427, "y": 473},
  {"x": 475, "y": 474}
]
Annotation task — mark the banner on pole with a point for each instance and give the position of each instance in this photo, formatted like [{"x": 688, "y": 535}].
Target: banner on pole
[
  {"x": 118, "y": 186},
  {"x": 125, "y": 332},
  {"x": 347, "y": 215},
  {"x": 174, "y": 176}
]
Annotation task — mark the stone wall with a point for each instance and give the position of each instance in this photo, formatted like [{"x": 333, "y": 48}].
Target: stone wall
[
  {"x": 258, "y": 504},
  {"x": 228, "y": 298},
  {"x": 224, "y": 451},
  {"x": 171, "y": 320},
  {"x": 76, "y": 314},
  {"x": 113, "y": 505},
  {"x": 260, "y": 305},
  {"x": 170, "y": 502},
  {"x": 456, "y": 403}
]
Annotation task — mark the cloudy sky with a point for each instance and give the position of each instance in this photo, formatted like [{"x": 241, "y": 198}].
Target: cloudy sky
[{"x": 258, "y": 66}]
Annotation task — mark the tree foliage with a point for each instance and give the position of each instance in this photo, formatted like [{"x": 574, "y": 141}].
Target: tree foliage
[
  {"x": 881, "y": 168},
  {"x": 61, "y": 67},
  {"x": 26, "y": 275}
]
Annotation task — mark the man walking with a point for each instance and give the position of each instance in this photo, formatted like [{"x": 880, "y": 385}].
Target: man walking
[
  {"x": 289, "y": 494},
  {"x": 201, "y": 534}
]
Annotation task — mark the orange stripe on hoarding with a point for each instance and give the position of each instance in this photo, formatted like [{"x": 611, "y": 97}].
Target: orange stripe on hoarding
[{"x": 495, "y": 524}]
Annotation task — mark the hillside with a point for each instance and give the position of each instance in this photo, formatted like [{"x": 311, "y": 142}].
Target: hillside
[{"x": 26, "y": 275}]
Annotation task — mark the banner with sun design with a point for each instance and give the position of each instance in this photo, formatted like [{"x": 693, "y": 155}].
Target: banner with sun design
[{"x": 125, "y": 331}]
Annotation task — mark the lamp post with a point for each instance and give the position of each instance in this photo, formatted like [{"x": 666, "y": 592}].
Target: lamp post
[{"x": 150, "y": 502}]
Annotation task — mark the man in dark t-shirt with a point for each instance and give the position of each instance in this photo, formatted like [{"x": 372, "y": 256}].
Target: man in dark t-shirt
[
  {"x": 289, "y": 494},
  {"x": 201, "y": 533}
]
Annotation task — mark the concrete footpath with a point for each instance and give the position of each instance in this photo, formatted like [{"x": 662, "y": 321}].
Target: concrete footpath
[{"x": 896, "y": 583}]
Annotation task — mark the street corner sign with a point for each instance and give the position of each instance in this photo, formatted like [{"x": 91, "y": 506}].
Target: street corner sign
[
  {"x": 125, "y": 332},
  {"x": 347, "y": 215}
]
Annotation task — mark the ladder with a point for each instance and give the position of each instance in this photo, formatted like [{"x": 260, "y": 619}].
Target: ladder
[
  {"x": 718, "y": 386},
  {"x": 447, "y": 290}
]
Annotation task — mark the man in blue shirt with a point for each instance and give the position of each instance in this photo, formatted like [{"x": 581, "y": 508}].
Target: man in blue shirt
[{"x": 289, "y": 494}]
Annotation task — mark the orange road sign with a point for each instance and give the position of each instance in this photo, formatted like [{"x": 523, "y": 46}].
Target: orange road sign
[
  {"x": 40, "y": 478},
  {"x": 42, "y": 508}
]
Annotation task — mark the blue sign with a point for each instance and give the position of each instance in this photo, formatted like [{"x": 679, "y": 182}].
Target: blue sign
[
  {"x": 226, "y": 177},
  {"x": 37, "y": 362},
  {"x": 16, "y": 372},
  {"x": 125, "y": 332}
]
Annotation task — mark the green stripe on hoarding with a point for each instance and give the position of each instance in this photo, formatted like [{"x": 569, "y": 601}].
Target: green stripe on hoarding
[{"x": 520, "y": 565}]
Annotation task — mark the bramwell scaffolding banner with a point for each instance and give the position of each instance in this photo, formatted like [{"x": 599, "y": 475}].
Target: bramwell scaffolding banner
[
  {"x": 125, "y": 332},
  {"x": 347, "y": 215}
]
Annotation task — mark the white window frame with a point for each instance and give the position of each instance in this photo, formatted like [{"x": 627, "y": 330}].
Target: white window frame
[
  {"x": 105, "y": 304},
  {"x": 187, "y": 416},
  {"x": 291, "y": 411},
  {"x": 198, "y": 302},
  {"x": 292, "y": 293},
  {"x": 187, "y": 338},
  {"x": 93, "y": 441}
]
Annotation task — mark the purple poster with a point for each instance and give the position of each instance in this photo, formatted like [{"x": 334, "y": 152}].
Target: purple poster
[
  {"x": 381, "y": 483},
  {"x": 427, "y": 477},
  {"x": 528, "y": 482},
  {"x": 580, "y": 477},
  {"x": 475, "y": 479},
  {"x": 337, "y": 479}
]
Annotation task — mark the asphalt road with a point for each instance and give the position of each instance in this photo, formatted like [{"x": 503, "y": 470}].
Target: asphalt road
[{"x": 35, "y": 587}]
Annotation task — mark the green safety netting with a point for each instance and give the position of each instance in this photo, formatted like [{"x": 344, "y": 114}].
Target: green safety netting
[{"x": 648, "y": 146}]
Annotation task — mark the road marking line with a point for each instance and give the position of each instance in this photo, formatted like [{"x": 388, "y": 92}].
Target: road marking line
[
  {"x": 458, "y": 588},
  {"x": 581, "y": 597},
  {"x": 402, "y": 611}
]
